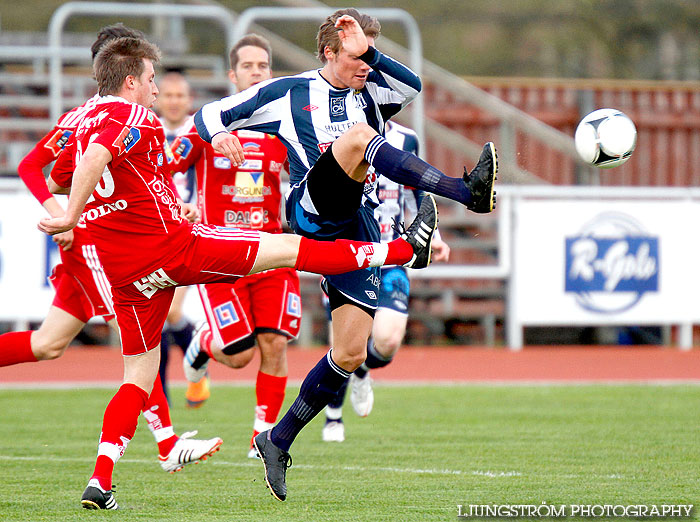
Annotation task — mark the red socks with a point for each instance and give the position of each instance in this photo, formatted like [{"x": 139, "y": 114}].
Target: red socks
[
  {"x": 15, "y": 348},
  {"x": 118, "y": 427},
  {"x": 400, "y": 252},
  {"x": 157, "y": 414},
  {"x": 269, "y": 393},
  {"x": 342, "y": 255},
  {"x": 205, "y": 342}
]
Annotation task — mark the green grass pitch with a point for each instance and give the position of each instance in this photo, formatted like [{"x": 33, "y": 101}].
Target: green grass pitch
[{"x": 423, "y": 451}]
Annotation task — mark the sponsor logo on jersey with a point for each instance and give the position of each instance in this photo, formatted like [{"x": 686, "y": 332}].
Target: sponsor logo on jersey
[
  {"x": 128, "y": 137},
  {"x": 103, "y": 210},
  {"x": 181, "y": 147},
  {"x": 225, "y": 315},
  {"x": 222, "y": 163},
  {"x": 336, "y": 108},
  {"x": 371, "y": 294},
  {"x": 309, "y": 108},
  {"x": 255, "y": 217},
  {"x": 149, "y": 116},
  {"x": 339, "y": 127},
  {"x": 360, "y": 102},
  {"x": 250, "y": 134},
  {"x": 159, "y": 159},
  {"x": 250, "y": 186},
  {"x": 86, "y": 123},
  {"x": 251, "y": 164},
  {"x": 165, "y": 196},
  {"x": 324, "y": 146},
  {"x": 250, "y": 145},
  {"x": 58, "y": 141},
  {"x": 275, "y": 167},
  {"x": 611, "y": 264}
]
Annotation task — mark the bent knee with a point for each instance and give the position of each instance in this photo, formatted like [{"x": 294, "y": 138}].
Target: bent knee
[
  {"x": 388, "y": 347},
  {"x": 272, "y": 344},
  {"x": 238, "y": 360},
  {"x": 361, "y": 134},
  {"x": 349, "y": 360}
]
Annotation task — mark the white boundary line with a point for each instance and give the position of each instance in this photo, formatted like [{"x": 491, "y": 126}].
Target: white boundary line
[
  {"x": 70, "y": 385},
  {"x": 256, "y": 464},
  {"x": 250, "y": 463}
]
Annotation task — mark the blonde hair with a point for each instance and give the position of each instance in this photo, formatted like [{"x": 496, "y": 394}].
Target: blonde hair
[{"x": 328, "y": 34}]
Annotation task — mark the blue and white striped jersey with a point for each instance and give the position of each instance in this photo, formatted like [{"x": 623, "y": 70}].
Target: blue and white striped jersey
[{"x": 307, "y": 113}]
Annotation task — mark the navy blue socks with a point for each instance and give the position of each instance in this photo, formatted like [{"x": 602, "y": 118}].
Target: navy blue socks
[
  {"x": 319, "y": 387},
  {"x": 408, "y": 169}
]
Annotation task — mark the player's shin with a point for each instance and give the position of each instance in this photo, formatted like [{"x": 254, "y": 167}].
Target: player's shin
[
  {"x": 118, "y": 427},
  {"x": 342, "y": 255},
  {"x": 408, "y": 169},
  {"x": 319, "y": 387},
  {"x": 269, "y": 394},
  {"x": 15, "y": 348},
  {"x": 157, "y": 413}
]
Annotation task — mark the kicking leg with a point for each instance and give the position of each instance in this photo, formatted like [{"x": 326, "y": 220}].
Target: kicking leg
[
  {"x": 362, "y": 146},
  {"x": 48, "y": 342}
]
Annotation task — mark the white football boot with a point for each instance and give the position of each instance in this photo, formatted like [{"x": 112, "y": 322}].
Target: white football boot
[
  {"x": 188, "y": 450},
  {"x": 361, "y": 394}
]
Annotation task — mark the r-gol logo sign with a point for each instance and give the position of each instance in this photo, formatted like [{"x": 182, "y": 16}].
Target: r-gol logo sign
[{"x": 611, "y": 274}]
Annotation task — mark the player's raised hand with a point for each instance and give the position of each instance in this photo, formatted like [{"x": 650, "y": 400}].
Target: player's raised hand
[
  {"x": 227, "y": 144},
  {"x": 441, "y": 250},
  {"x": 64, "y": 240},
  {"x": 351, "y": 35},
  {"x": 56, "y": 225}
]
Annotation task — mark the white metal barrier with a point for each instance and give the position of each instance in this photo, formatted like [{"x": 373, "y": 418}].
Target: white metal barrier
[{"x": 217, "y": 13}]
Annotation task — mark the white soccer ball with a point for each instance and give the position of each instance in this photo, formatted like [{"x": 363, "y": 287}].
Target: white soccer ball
[{"x": 605, "y": 138}]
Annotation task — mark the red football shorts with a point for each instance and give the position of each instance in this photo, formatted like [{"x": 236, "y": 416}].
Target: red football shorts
[
  {"x": 264, "y": 302},
  {"x": 81, "y": 286},
  {"x": 210, "y": 255}
]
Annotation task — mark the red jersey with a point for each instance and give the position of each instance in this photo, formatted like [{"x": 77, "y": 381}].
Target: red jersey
[
  {"x": 132, "y": 215},
  {"x": 47, "y": 150},
  {"x": 245, "y": 197}
]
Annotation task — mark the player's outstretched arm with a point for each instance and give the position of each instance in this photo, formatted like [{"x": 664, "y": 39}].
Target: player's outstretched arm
[{"x": 87, "y": 173}]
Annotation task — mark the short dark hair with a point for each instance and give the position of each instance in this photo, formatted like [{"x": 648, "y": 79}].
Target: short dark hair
[
  {"x": 254, "y": 40},
  {"x": 112, "y": 32},
  {"x": 328, "y": 35},
  {"x": 121, "y": 58}
]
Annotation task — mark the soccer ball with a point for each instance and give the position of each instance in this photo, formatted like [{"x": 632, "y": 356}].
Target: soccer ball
[{"x": 605, "y": 138}]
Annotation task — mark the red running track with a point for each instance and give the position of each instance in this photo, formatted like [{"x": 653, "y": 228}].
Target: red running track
[{"x": 102, "y": 365}]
